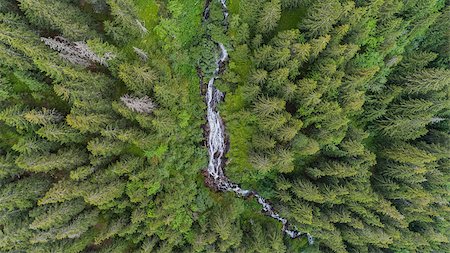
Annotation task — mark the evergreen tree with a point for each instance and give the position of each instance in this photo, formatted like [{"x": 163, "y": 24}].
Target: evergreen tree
[
  {"x": 335, "y": 112},
  {"x": 269, "y": 16},
  {"x": 321, "y": 17},
  {"x": 60, "y": 133},
  {"x": 427, "y": 80},
  {"x": 57, "y": 214},
  {"x": 43, "y": 117},
  {"x": 64, "y": 159},
  {"x": 23, "y": 193},
  {"x": 139, "y": 79},
  {"x": 125, "y": 26},
  {"x": 62, "y": 16}
]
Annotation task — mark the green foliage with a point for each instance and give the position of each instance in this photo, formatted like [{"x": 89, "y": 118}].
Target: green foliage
[
  {"x": 335, "y": 111},
  {"x": 75, "y": 229},
  {"x": 60, "y": 133},
  {"x": 13, "y": 116},
  {"x": 269, "y": 16},
  {"x": 321, "y": 17},
  {"x": 349, "y": 81},
  {"x": 23, "y": 193},
  {"x": 43, "y": 117},
  {"x": 56, "y": 215},
  {"x": 125, "y": 26},
  {"x": 61, "y": 16},
  {"x": 64, "y": 159},
  {"x": 138, "y": 78},
  {"x": 427, "y": 80}
]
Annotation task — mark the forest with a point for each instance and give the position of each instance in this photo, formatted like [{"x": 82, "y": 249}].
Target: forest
[{"x": 240, "y": 126}]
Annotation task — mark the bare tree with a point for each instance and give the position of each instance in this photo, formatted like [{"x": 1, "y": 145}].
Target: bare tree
[
  {"x": 141, "y": 105},
  {"x": 141, "y": 54},
  {"x": 141, "y": 27},
  {"x": 76, "y": 52}
]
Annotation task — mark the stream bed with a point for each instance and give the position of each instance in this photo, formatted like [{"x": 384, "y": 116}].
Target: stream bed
[{"x": 217, "y": 142}]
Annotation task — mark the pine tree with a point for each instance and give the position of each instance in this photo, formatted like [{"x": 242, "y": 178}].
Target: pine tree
[
  {"x": 15, "y": 231},
  {"x": 105, "y": 194},
  {"x": 302, "y": 51},
  {"x": 437, "y": 38},
  {"x": 23, "y": 193},
  {"x": 59, "y": 15},
  {"x": 269, "y": 16},
  {"x": 277, "y": 80},
  {"x": 307, "y": 190},
  {"x": 283, "y": 160},
  {"x": 139, "y": 79},
  {"x": 279, "y": 58},
  {"x": 406, "y": 153},
  {"x": 262, "y": 163},
  {"x": 413, "y": 62},
  {"x": 81, "y": 173},
  {"x": 43, "y": 117},
  {"x": 127, "y": 165},
  {"x": 318, "y": 45},
  {"x": 66, "y": 245},
  {"x": 427, "y": 80},
  {"x": 321, "y": 17},
  {"x": 60, "y": 133},
  {"x": 115, "y": 227},
  {"x": 271, "y": 123},
  {"x": 61, "y": 191},
  {"x": 266, "y": 106},
  {"x": 105, "y": 147},
  {"x": 57, "y": 214},
  {"x": 64, "y": 159},
  {"x": 125, "y": 26},
  {"x": 332, "y": 168},
  {"x": 90, "y": 122},
  {"x": 77, "y": 227},
  {"x": 8, "y": 168},
  {"x": 13, "y": 116},
  {"x": 289, "y": 131},
  {"x": 262, "y": 55},
  {"x": 259, "y": 76},
  {"x": 407, "y": 119},
  {"x": 13, "y": 59},
  {"x": 32, "y": 145}
]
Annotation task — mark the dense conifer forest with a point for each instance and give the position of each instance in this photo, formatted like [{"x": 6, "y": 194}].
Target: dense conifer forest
[{"x": 241, "y": 126}]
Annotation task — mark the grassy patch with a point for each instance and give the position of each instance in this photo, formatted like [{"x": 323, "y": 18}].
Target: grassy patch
[
  {"x": 148, "y": 12},
  {"x": 233, "y": 6},
  {"x": 290, "y": 18},
  {"x": 148, "y": 15}
]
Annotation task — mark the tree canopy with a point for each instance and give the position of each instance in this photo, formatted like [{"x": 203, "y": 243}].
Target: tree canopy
[{"x": 336, "y": 112}]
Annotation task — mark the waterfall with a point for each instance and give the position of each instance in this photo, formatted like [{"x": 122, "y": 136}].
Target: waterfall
[{"x": 217, "y": 143}]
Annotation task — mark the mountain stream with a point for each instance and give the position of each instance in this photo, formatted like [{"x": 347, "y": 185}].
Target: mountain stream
[{"x": 217, "y": 143}]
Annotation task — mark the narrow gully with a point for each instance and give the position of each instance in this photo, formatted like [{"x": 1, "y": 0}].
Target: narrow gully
[{"x": 215, "y": 177}]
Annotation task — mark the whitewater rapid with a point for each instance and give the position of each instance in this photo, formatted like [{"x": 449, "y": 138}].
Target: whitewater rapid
[{"x": 217, "y": 143}]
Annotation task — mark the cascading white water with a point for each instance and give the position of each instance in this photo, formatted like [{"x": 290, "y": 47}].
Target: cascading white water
[{"x": 217, "y": 144}]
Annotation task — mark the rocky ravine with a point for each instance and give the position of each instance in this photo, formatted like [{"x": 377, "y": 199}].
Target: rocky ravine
[{"x": 217, "y": 142}]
